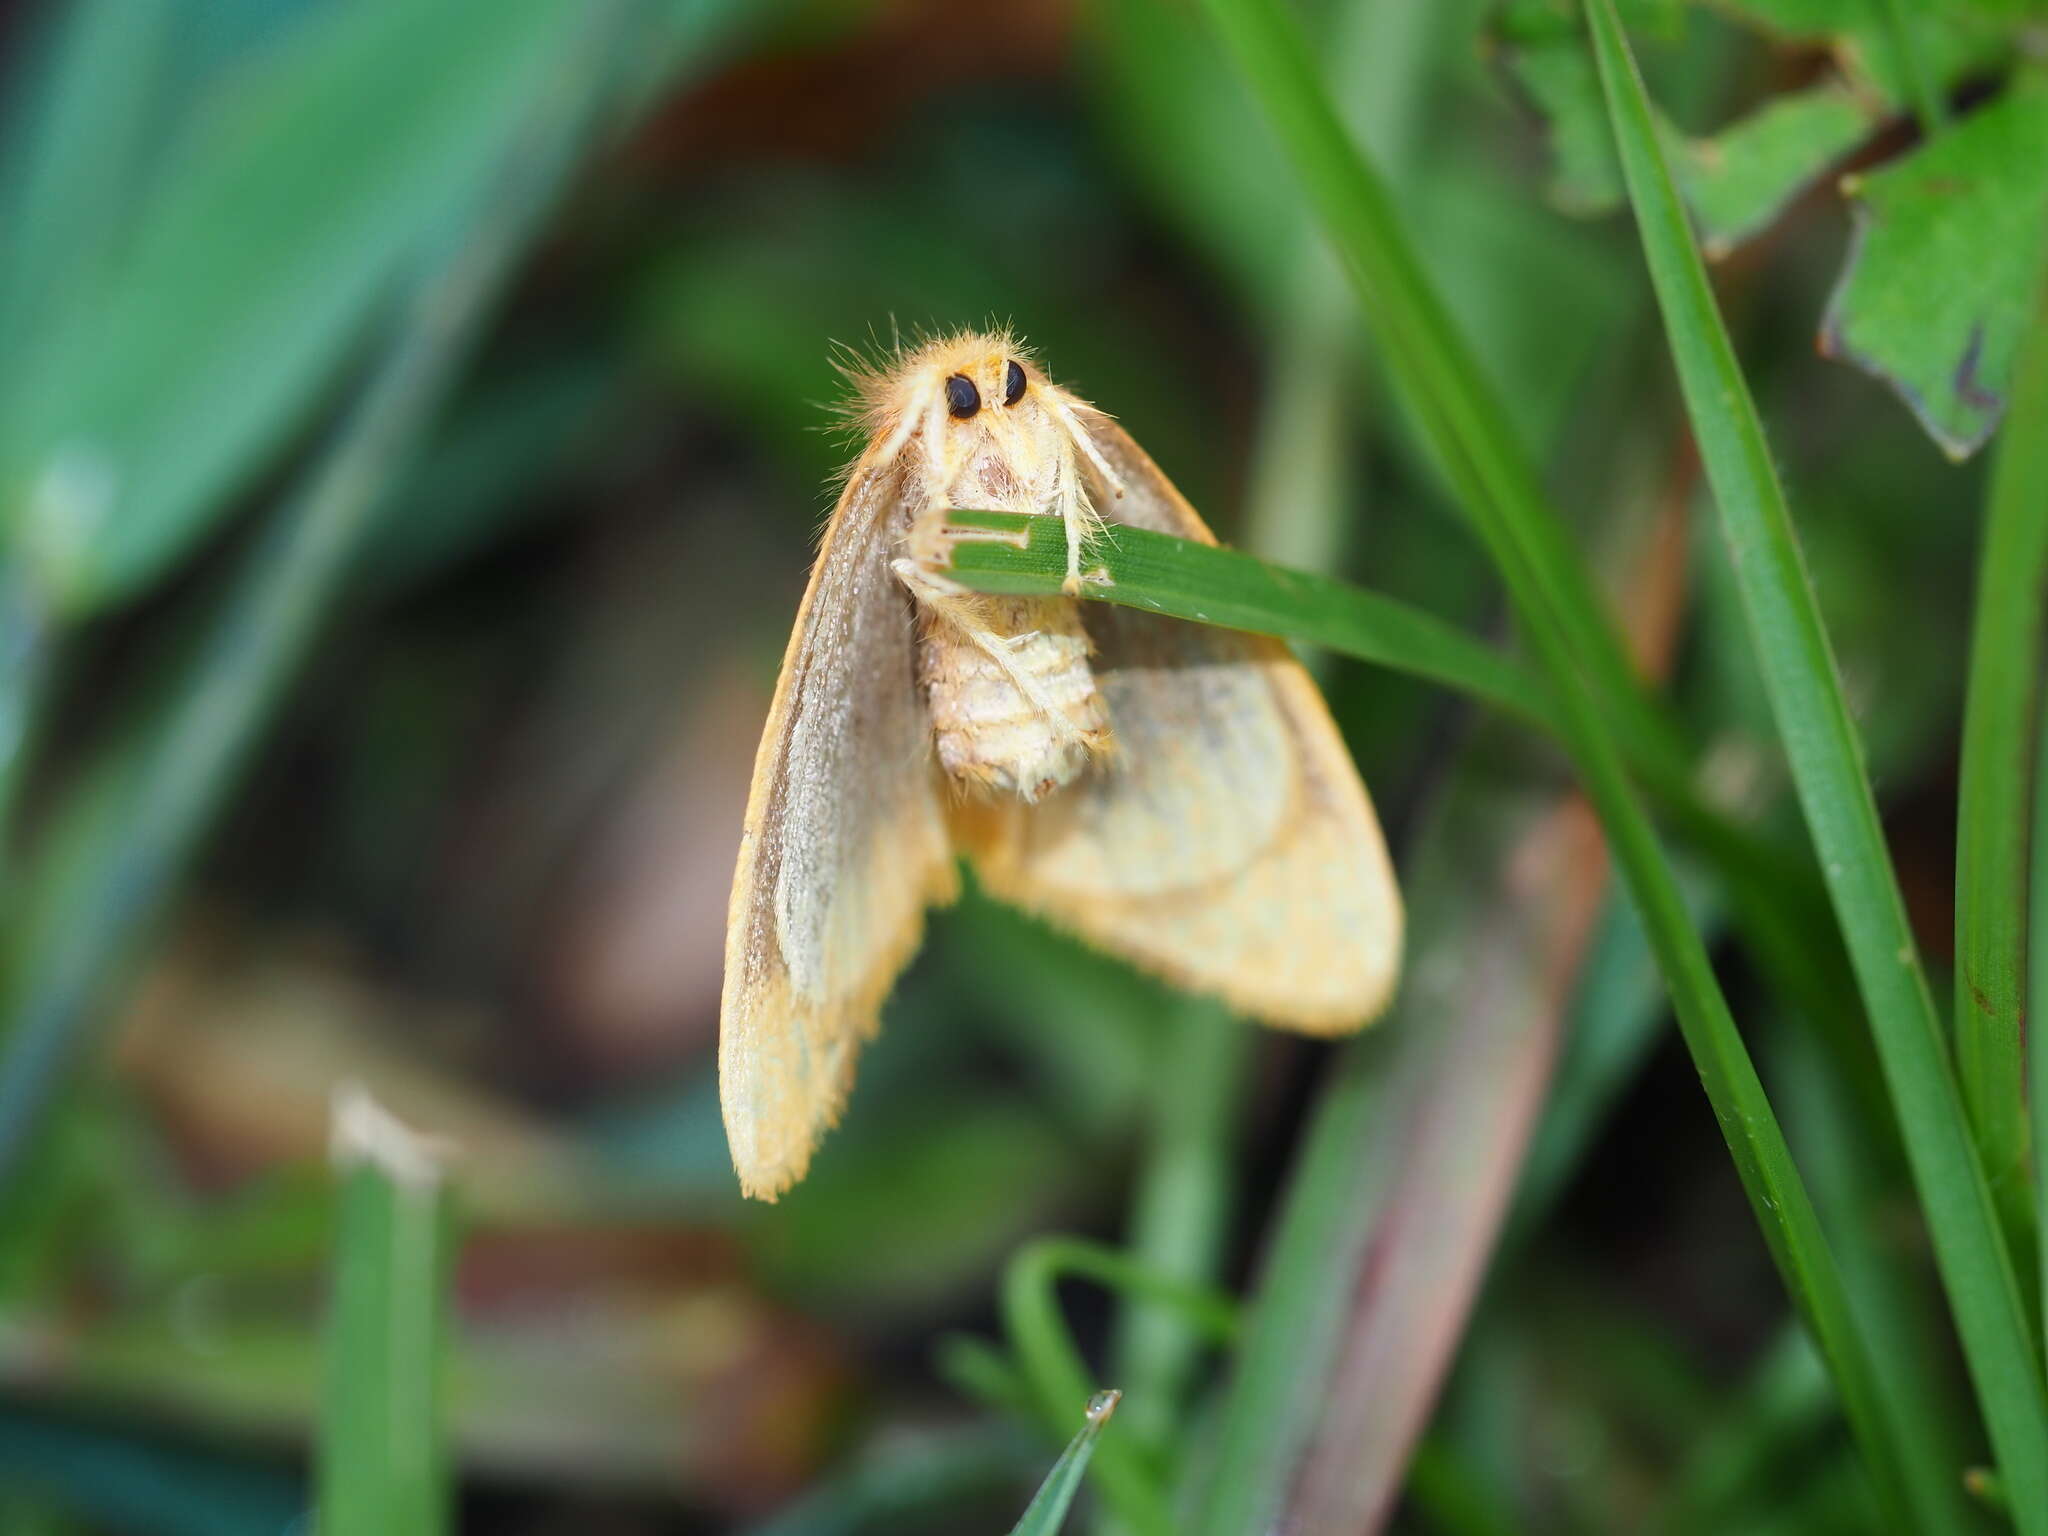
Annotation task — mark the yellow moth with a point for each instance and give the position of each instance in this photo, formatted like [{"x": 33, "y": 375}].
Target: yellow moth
[{"x": 1173, "y": 793}]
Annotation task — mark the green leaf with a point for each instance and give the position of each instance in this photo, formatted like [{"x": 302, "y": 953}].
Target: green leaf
[
  {"x": 1826, "y": 759},
  {"x": 1047, "y": 1511},
  {"x": 1869, "y": 37},
  {"x": 1546, "y": 53},
  {"x": 1739, "y": 180},
  {"x": 86, "y": 95},
  {"x": 1941, "y": 267},
  {"x": 316, "y": 174}
]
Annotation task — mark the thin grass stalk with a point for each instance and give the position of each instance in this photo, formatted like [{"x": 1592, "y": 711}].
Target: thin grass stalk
[
  {"x": 2011, "y": 622},
  {"x": 1827, "y": 768},
  {"x": 2037, "y": 999},
  {"x": 1475, "y": 444},
  {"x": 383, "y": 1466},
  {"x": 27, "y": 655},
  {"x": 1047, "y": 1511}
]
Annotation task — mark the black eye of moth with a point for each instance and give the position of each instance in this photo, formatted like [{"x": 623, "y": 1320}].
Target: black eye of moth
[
  {"x": 1013, "y": 383},
  {"x": 962, "y": 398}
]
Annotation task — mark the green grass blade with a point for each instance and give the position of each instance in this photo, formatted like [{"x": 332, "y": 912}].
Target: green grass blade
[
  {"x": 1997, "y": 764},
  {"x": 1826, "y": 760},
  {"x": 1047, "y": 1511},
  {"x": 1161, "y": 574},
  {"x": 2020, "y": 479},
  {"x": 1474, "y": 443},
  {"x": 2037, "y": 992},
  {"x": 383, "y": 1459}
]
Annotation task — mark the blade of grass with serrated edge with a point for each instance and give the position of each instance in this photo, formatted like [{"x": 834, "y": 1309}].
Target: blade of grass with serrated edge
[
  {"x": 1476, "y": 448},
  {"x": 1047, "y": 1511},
  {"x": 1826, "y": 760}
]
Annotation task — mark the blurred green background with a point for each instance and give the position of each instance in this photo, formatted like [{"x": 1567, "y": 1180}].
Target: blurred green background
[{"x": 412, "y": 438}]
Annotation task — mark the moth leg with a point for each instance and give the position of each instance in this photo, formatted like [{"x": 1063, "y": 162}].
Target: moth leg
[
  {"x": 1076, "y": 510},
  {"x": 958, "y": 607},
  {"x": 1078, "y": 513}
]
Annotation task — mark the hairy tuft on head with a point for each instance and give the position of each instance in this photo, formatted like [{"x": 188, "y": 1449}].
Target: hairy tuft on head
[{"x": 878, "y": 380}]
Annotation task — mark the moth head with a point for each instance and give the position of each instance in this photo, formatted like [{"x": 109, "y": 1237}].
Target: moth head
[{"x": 978, "y": 414}]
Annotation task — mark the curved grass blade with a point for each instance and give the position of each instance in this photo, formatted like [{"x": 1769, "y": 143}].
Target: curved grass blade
[
  {"x": 1047, "y": 1511},
  {"x": 1826, "y": 759},
  {"x": 1132, "y": 1481},
  {"x": 1476, "y": 446}
]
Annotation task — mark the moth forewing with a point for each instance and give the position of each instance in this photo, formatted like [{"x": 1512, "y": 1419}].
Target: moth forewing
[
  {"x": 1174, "y": 793},
  {"x": 843, "y": 847}
]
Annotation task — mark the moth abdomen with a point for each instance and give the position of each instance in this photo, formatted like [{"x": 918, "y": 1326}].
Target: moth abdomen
[{"x": 1014, "y": 704}]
